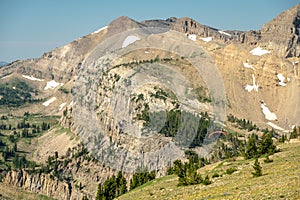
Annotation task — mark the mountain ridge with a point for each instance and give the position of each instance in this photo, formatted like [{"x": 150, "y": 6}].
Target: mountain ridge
[{"x": 63, "y": 63}]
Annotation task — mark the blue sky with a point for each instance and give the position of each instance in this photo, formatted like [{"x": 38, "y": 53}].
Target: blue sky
[{"x": 28, "y": 28}]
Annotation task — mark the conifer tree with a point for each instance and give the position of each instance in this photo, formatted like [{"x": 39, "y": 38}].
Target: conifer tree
[
  {"x": 100, "y": 192},
  {"x": 251, "y": 149},
  {"x": 266, "y": 145},
  {"x": 257, "y": 169},
  {"x": 15, "y": 147}
]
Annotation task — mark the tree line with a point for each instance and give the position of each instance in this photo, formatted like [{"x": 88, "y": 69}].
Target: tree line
[
  {"x": 242, "y": 123},
  {"x": 115, "y": 186},
  {"x": 187, "y": 171}
]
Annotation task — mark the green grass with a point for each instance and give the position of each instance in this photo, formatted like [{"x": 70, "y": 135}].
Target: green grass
[{"x": 280, "y": 180}]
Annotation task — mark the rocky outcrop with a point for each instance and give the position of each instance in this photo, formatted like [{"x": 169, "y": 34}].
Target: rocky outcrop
[
  {"x": 42, "y": 184},
  {"x": 249, "y": 38},
  {"x": 84, "y": 174},
  {"x": 190, "y": 26},
  {"x": 283, "y": 33}
]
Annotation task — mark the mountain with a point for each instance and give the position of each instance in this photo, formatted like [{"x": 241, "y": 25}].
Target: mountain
[
  {"x": 137, "y": 95},
  {"x": 277, "y": 31}
]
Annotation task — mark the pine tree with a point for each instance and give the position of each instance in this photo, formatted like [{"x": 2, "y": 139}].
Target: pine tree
[
  {"x": 294, "y": 133},
  {"x": 257, "y": 169},
  {"x": 188, "y": 175},
  {"x": 177, "y": 166},
  {"x": 38, "y": 130},
  {"x": 65, "y": 112},
  {"x": 56, "y": 155},
  {"x": 121, "y": 184},
  {"x": 266, "y": 145},
  {"x": 100, "y": 192},
  {"x": 110, "y": 187},
  {"x": 282, "y": 139},
  {"x": 15, "y": 161},
  {"x": 251, "y": 149},
  {"x": 15, "y": 148}
]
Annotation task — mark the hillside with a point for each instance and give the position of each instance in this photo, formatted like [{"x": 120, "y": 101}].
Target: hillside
[{"x": 280, "y": 180}]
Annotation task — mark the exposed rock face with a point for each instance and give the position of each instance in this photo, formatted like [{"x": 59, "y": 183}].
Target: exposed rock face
[
  {"x": 249, "y": 38},
  {"x": 190, "y": 26},
  {"x": 84, "y": 176},
  {"x": 42, "y": 184},
  {"x": 283, "y": 33},
  {"x": 160, "y": 23}
]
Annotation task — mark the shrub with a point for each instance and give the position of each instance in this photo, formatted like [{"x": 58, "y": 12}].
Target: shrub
[
  {"x": 215, "y": 175},
  {"x": 230, "y": 170},
  {"x": 257, "y": 169},
  {"x": 268, "y": 160},
  {"x": 206, "y": 180}
]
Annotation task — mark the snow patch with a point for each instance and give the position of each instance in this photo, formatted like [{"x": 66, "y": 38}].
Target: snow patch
[
  {"x": 282, "y": 84},
  {"x": 61, "y": 106},
  {"x": 99, "y": 30},
  {"x": 258, "y": 51},
  {"x": 14, "y": 88},
  {"x": 268, "y": 114},
  {"x": 129, "y": 40},
  {"x": 281, "y": 79},
  {"x": 275, "y": 126},
  {"x": 207, "y": 39},
  {"x": 192, "y": 37},
  {"x": 32, "y": 78},
  {"x": 48, "y": 102},
  {"x": 224, "y": 33},
  {"x": 52, "y": 84},
  {"x": 247, "y": 65},
  {"x": 254, "y": 86}
]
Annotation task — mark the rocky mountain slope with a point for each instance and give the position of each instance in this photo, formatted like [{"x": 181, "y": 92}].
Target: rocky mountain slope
[
  {"x": 107, "y": 85},
  {"x": 230, "y": 51}
]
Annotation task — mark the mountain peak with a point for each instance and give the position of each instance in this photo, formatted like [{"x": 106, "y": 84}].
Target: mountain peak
[
  {"x": 123, "y": 23},
  {"x": 284, "y": 31},
  {"x": 122, "y": 19},
  {"x": 289, "y": 17}
]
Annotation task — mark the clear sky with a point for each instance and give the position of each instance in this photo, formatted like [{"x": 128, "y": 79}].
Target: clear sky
[{"x": 28, "y": 28}]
